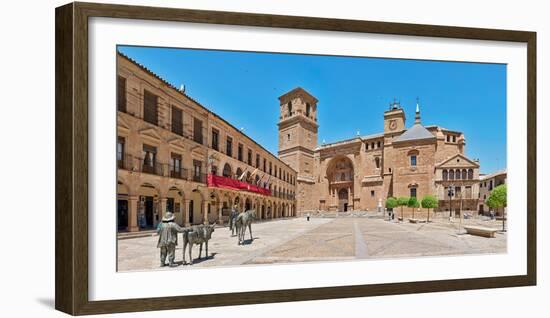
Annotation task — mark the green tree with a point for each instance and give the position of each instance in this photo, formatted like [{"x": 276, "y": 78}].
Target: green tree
[
  {"x": 497, "y": 200},
  {"x": 413, "y": 204},
  {"x": 402, "y": 201},
  {"x": 429, "y": 202},
  {"x": 391, "y": 203}
]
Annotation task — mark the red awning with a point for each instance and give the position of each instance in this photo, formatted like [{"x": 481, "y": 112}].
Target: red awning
[{"x": 228, "y": 183}]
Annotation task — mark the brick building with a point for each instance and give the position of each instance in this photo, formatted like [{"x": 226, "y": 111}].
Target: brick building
[
  {"x": 361, "y": 172},
  {"x": 173, "y": 154}
]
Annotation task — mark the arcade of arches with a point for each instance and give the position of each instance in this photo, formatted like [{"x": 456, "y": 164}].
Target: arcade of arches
[{"x": 142, "y": 207}]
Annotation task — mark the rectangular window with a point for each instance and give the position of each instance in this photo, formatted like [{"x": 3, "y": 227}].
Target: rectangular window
[
  {"x": 229, "y": 147},
  {"x": 215, "y": 135},
  {"x": 249, "y": 157},
  {"x": 270, "y": 170},
  {"x": 275, "y": 171},
  {"x": 468, "y": 194},
  {"x": 372, "y": 193},
  {"x": 177, "y": 121},
  {"x": 367, "y": 146},
  {"x": 240, "y": 152},
  {"x": 378, "y": 144},
  {"x": 175, "y": 166},
  {"x": 120, "y": 152},
  {"x": 257, "y": 160},
  {"x": 454, "y": 138},
  {"x": 149, "y": 158},
  {"x": 197, "y": 130},
  {"x": 413, "y": 193},
  {"x": 197, "y": 170},
  {"x": 265, "y": 162},
  {"x": 121, "y": 94},
  {"x": 413, "y": 160},
  {"x": 150, "y": 106}
]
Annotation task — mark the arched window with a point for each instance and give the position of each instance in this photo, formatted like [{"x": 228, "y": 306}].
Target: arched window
[
  {"x": 308, "y": 109},
  {"x": 457, "y": 174},
  {"x": 342, "y": 177},
  {"x": 445, "y": 175},
  {"x": 413, "y": 157},
  {"x": 227, "y": 171},
  {"x": 470, "y": 174},
  {"x": 289, "y": 105},
  {"x": 451, "y": 175},
  {"x": 238, "y": 173},
  {"x": 464, "y": 174}
]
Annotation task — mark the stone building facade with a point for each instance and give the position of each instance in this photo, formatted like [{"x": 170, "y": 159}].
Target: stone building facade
[
  {"x": 169, "y": 146},
  {"x": 362, "y": 172},
  {"x": 486, "y": 185}
]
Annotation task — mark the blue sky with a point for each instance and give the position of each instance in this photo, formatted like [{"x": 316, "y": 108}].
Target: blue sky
[{"x": 353, "y": 93}]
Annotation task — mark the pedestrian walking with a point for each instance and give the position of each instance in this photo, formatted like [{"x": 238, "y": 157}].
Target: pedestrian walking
[
  {"x": 307, "y": 216},
  {"x": 168, "y": 239}
]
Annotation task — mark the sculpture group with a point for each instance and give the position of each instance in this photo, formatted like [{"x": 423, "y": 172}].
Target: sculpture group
[
  {"x": 198, "y": 235},
  {"x": 168, "y": 239}
]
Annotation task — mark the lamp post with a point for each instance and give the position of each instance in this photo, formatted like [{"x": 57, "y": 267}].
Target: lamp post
[{"x": 451, "y": 193}]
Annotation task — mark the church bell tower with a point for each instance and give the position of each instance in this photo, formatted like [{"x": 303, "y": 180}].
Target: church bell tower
[{"x": 298, "y": 139}]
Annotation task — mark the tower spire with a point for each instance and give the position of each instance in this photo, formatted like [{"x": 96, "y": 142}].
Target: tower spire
[{"x": 417, "y": 115}]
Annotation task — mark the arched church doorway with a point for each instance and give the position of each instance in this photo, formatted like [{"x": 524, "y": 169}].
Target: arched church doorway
[{"x": 343, "y": 200}]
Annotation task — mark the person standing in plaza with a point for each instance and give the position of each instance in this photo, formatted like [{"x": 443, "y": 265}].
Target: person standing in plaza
[
  {"x": 233, "y": 218},
  {"x": 168, "y": 239}
]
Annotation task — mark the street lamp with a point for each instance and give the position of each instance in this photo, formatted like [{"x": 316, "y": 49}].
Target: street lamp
[{"x": 451, "y": 193}]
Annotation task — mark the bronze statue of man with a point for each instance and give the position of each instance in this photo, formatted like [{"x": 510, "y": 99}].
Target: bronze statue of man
[{"x": 168, "y": 239}]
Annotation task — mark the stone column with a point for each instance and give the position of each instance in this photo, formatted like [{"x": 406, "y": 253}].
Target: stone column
[
  {"x": 162, "y": 208},
  {"x": 186, "y": 212},
  {"x": 220, "y": 216},
  {"x": 133, "y": 213},
  {"x": 205, "y": 211}
]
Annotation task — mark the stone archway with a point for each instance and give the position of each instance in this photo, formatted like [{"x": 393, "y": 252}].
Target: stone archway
[
  {"x": 149, "y": 212},
  {"x": 341, "y": 175}
]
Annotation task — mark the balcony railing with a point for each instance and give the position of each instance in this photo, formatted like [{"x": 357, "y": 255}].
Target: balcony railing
[
  {"x": 153, "y": 168},
  {"x": 130, "y": 163},
  {"x": 179, "y": 173},
  {"x": 199, "y": 177},
  {"x": 126, "y": 163}
]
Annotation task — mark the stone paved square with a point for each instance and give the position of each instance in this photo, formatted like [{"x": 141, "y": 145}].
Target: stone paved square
[{"x": 295, "y": 240}]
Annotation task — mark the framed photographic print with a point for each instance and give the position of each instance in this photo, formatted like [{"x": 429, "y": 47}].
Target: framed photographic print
[{"x": 249, "y": 158}]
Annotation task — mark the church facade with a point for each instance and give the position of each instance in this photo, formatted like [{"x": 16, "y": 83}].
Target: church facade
[{"x": 362, "y": 172}]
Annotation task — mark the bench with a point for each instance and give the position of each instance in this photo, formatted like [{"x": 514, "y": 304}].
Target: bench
[{"x": 480, "y": 231}]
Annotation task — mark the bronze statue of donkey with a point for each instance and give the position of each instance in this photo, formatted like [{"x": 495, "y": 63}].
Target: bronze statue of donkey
[{"x": 197, "y": 235}]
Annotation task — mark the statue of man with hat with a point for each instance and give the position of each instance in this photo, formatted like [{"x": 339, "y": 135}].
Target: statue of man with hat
[{"x": 168, "y": 239}]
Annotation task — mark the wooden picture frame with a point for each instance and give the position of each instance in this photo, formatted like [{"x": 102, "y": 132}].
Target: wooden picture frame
[{"x": 71, "y": 233}]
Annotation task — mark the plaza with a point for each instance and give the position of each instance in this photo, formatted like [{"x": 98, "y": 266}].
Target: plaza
[{"x": 323, "y": 239}]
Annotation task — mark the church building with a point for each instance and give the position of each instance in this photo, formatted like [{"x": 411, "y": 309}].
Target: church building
[{"x": 362, "y": 172}]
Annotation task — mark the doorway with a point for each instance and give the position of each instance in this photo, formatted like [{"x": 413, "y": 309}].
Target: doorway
[
  {"x": 343, "y": 200},
  {"x": 122, "y": 215}
]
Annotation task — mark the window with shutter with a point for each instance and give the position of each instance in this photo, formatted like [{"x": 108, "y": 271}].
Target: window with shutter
[
  {"x": 121, "y": 94},
  {"x": 197, "y": 130},
  {"x": 177, "y": 121},
  {"x": 150, "y": 106}
]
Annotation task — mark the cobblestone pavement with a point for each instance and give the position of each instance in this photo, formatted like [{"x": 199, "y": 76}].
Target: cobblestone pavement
[{"x": 321, "y": 239}]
